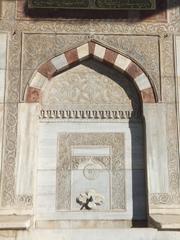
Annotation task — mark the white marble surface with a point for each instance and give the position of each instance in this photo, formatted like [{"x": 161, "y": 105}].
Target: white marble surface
[
  {"x": 122, "y": 62},
  {"x": 2, "y": 84},
  {"x": 59, "y": 62},
  {"x": 157, "y": 160},
  {"x": 3, "y": 44},
  {"x": 99, "y": 52},
  {"x": 46, "y": 175},
  {"x": 38, "y": 81},
  {"x": 142, "y": 82},
  {"x": 99, "y": 234},
  {"x": 83, "y": 51},
  {"x": 26, "y": 147}
]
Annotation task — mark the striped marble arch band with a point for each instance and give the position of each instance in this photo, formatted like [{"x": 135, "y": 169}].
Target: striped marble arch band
[{"x": 104, "y": 54}]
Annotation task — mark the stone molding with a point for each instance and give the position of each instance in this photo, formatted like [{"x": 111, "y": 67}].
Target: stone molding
[
  {"x": 166, "y": 221},
  {"x": 88, "y": 114},
  {"x": 15, "y": 222},
  {"x": 98, "y": 51}
]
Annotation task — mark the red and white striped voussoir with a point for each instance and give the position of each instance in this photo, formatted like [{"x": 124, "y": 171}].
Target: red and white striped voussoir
[{"x": 59, "y": 63}]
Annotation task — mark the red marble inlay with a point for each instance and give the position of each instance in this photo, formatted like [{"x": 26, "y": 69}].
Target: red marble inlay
[
  {"x": 33, "y": 95},
  {"x": 110, "y": 56},
  {"x": 148, "y": 96},
  {"x": 48, "y": 70},
  {"x": 133, "y": 70},
  {"x": 72, "y": 56}
]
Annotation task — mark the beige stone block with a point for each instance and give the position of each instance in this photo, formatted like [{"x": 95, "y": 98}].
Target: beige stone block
[
  {"x": 142, "y": 82},
  {"x": 122, "y": 62},
  {"x": 99, "y": 52},
  {"x": 15, "y": 222},
  {"x": 7, "y": 234},
  {"x": 38, "y": 81},
  {"x": 165, "y": 221},
  {"x": 83, "y": 51}
]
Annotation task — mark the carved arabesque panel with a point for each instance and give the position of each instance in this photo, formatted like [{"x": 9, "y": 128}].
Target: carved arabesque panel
[{"x": 114, "y": 164}]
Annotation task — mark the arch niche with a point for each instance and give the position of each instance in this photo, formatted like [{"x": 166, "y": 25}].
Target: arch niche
[{"x": 122, "y": 134}]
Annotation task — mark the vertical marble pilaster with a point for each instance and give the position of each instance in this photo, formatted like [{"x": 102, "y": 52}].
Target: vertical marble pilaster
[
  {"x": 156, "y": 147},
  {"x": 3, "y": 40},
  {"x": 26, "y": 148},
  {"x": 3, "y": 46}
]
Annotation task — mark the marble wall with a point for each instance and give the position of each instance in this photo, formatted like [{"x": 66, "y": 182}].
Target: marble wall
[{"x": 30, "y": 139}]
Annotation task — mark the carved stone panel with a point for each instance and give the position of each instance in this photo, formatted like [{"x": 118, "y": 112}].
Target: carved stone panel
[
  {"x": 78, "y": 157},
  {"x": 89, "y": 86},
  {"x": 90, "y": 161}
]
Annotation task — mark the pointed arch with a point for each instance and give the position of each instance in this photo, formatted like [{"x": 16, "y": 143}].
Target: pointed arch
[{"x": 100, "y": 52}]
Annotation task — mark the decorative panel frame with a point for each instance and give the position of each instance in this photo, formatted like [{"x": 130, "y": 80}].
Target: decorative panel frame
[{"x": 114, "y": 164}]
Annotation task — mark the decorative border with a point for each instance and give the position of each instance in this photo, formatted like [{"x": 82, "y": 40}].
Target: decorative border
[
  {"x": 89, "y": 114},
  {"x": 96, "y": 50},
  {"x": 115, "y": 164}
]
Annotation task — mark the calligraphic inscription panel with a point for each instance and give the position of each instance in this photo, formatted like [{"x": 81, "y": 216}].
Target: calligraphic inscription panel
[{"x": 94, "y": 4}]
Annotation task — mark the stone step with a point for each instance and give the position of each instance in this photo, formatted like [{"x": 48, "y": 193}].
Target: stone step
[{"x": 99, "y": 234}]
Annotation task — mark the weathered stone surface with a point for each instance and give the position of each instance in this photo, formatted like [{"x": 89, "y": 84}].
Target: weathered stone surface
[{"x": 150, "y": 46}]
